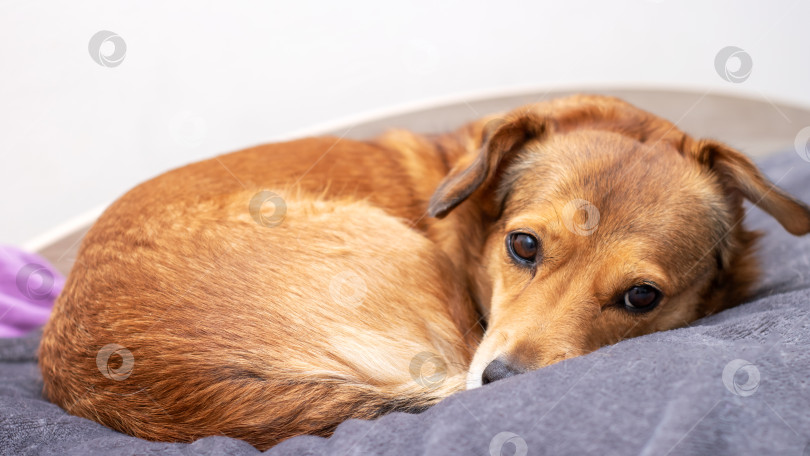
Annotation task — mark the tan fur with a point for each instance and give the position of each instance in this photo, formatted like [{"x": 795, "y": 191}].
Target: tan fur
[{"x": 234, "y": 328}]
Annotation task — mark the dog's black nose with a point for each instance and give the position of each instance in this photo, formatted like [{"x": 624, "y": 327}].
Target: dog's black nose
[{"x": 497, "y": 370}]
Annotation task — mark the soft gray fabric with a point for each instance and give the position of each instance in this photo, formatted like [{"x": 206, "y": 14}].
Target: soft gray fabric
[{"x": 653, "y": 395}]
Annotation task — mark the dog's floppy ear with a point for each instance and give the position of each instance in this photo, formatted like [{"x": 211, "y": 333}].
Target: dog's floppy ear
[
  {"x": 738, "y": 173},
  {"x": 501, "y": 137}
]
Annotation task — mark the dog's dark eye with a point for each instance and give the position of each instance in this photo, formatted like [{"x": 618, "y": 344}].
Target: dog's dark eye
[
  {"x": 523, "y": 247},
  {"x": 641, "y": 298}
]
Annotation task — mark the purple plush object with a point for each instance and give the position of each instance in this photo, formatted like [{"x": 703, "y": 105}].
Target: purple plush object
[{"x": 28, "y": 287}]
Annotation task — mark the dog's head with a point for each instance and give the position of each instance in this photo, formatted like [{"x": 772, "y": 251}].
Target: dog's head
[{"x": 602, "y": 222}]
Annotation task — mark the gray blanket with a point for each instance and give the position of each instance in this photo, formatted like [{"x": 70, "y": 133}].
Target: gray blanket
[{"x": 734, "y": 383}]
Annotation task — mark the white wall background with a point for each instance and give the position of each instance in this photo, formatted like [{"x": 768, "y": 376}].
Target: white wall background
[{"x": 201, "y": 79}]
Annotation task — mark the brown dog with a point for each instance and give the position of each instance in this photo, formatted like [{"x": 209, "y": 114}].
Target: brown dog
[{"x": 195, "y": 310}]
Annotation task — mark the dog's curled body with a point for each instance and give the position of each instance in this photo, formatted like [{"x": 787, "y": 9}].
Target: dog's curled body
[{"x": 251, "y": 329}]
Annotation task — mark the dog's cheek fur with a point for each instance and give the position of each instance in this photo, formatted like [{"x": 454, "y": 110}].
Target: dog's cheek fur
[{"x": 734, "y": 282}]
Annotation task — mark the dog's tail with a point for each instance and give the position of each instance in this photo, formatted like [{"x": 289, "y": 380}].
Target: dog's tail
[
  {"x": 262, "y": 411},
  {"x": 330, "y": 403},
  {"x": 413, "y": 398}
]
